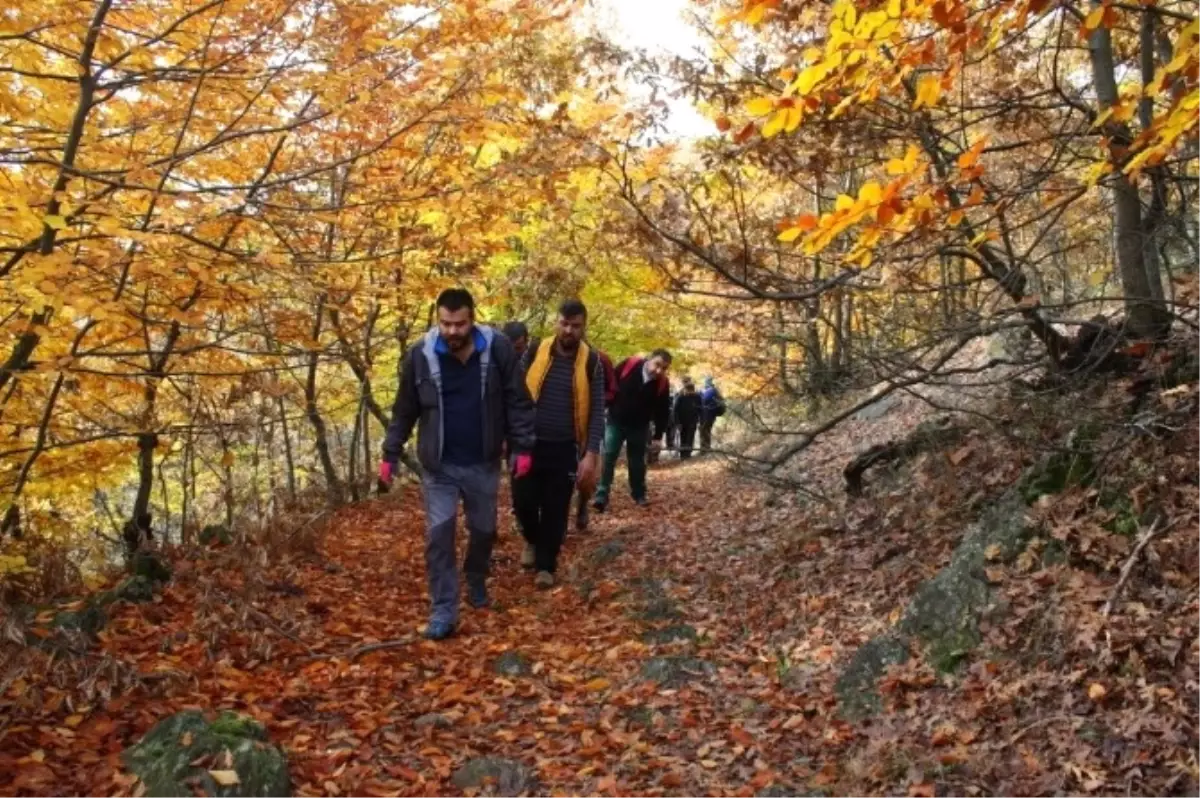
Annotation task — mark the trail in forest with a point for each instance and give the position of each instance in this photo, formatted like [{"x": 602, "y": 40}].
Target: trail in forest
[{"x": 644, "y": 670}]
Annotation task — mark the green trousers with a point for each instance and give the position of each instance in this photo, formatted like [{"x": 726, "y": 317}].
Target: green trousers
[{"x": 615, "y": 435}]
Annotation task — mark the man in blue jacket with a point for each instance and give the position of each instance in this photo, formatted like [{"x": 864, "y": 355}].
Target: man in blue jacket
[{"x": 464, "y": 390}]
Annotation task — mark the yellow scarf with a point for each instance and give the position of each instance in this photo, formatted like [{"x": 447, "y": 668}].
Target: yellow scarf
[{"x": 582, "y": 393}]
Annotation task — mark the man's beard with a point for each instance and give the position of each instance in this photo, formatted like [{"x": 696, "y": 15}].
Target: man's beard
[
  {"x": 568, "y": 344},
  {"x": 456, "y": 342}
]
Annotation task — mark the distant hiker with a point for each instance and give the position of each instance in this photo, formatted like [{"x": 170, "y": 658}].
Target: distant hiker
[
  {"x": 610, "y": 394},
  {"x": 518, "y": 334},
  {"x": 643, "y": 398},
  {"x": 672, "y": 437},
  {"x": 566, "y": 380},
  {"x": 687, "y": 414},
  {"x": 712, "y": 407},
  {"x": 463, "y": 389}
]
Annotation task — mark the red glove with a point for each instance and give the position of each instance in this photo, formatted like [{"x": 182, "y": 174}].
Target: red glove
[
  {"x": 522, "y": 465},
  {"x": 385, "y": 472}
]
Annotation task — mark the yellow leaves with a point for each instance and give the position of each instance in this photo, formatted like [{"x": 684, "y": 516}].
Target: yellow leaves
[
  {"x": 929, "y": 90},
  {"x": 13, "y": 564},
  {"x": 225, "y": 778},
  {"x": 55, "y": 222},
  {"x": 784, "y": 113},
  {"x": 597, "y": 685},
  {"x": 1101, "y": 16},
  {"x": 1097, "y": 691},
  {"x": 783, "y": 119},
  {"x": 906, "y": 165},
  {"x": 760, "y": 106},
  {"x": 871, "y": 193}
]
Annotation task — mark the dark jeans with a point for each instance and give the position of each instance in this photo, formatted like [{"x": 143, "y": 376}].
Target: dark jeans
[
  {"x": 543, "y": 500},
  {"x": 687, "y": 439},
  {"x": 706, "y": 433}
]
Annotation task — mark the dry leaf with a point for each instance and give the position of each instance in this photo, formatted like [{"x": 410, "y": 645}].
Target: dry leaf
[{"x": 225, "y": 778}]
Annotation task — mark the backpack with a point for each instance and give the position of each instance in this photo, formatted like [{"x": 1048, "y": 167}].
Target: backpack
[
  {"x": 610, "y": 378},
  {"x": 636, "y": 363},
  {"x": 719, "y": 406}
]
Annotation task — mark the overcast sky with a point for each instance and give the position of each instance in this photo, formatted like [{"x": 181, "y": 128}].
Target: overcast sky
[{"x": 657, "y": 26}]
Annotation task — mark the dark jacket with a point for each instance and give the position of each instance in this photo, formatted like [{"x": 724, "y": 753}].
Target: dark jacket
[
  {"x": 639, "y": 403},
  {"x": 687, "y": 408},
  {"x": 507, "y": 409}
]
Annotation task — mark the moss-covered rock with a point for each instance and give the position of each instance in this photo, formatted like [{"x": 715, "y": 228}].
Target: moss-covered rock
[
  {"x": 943, "y": 616},
  {"x": 1074, "y": 464},
  {"x": 512, "y": 664},
  {"x": 178, "y": 756},
  {"x": 89, "y": 619},
  {"x": 676, "y": 671},
  {"x": 150, "y": 566},
  {"x": 671, "y": 634},
  {"x": 857, "y": 696},
  {"x": 495, "y": 776},
  {"x": 215, "y": 533}
]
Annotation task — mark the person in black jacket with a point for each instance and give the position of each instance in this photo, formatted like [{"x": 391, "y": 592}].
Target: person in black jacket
[
  {"x": 464, "y": 390},
  {"x": 687, "y": 417},
  {"x": 643, "y": 398}
]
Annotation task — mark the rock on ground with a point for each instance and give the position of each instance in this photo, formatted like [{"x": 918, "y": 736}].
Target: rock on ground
[{"x": 187, "y": 755}]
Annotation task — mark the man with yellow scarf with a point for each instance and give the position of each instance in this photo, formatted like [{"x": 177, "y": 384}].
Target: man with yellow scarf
[{"x": 566, "y": 380}]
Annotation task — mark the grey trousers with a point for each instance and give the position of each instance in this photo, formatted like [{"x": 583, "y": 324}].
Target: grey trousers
[{"x": 478, "y": 487}]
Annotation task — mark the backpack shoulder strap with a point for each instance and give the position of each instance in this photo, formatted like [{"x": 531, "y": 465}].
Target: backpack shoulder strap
[
  {"x": 630, "y": 364},
  {"x": 485, "y": 357}
]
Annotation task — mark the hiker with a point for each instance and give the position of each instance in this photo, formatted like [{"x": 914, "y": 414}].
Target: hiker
[
  {"x": 643, "y": 398},
  {"x": 469, "y": 376},
  {"x": 566, "y": 380},
  {"x": 610, "y": 394},
  {"x": 687, "y": 413},
  {"x": 518, "y": 334},
  {"x": 712, "y": 407}
]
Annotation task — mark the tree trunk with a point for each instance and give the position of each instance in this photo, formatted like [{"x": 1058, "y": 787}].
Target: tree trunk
[
  {"x": 333, "y": 485},
  {"x": 1146, "y": 317},
  {"x": 287, "y": 449}
]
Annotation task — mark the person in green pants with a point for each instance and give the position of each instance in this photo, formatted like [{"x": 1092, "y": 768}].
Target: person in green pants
[{"x": 643, "y": 399}]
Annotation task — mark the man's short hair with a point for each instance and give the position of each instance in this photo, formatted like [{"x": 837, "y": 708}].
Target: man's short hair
[
  {"x": 664, "y": 354},
  {"x": 571, "y": 308},
  {"x": 516, "y": 330},
  {"x": 456, "y": 299}
]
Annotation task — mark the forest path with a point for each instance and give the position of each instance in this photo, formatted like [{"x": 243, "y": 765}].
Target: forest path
[{"x": 647, "y": 669}]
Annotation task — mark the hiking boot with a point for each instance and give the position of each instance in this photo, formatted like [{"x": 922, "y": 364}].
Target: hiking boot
[
  {"x": 477, "y": 595},
  {"x": 642, "y": 502},
  {"x": 528, "y": 556},
  {"x": 439, "y": 630},
  {"x": 544, "y": 580},
  {"x": 581, "y": 518},
  {"x": 599, "y": 506}
]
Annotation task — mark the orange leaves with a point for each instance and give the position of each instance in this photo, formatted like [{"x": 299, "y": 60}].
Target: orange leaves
[
  {"x": 1103, "y": 15},
  {"x": 970, "y": 158}
]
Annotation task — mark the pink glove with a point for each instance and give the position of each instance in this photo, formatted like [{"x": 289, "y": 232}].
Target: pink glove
[
  {"x": 385, "y": 472},
  {"x": 522, "y": 465}
]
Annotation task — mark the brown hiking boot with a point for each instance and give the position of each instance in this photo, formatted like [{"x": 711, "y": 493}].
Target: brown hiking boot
[
  {"x": 581, "y": 518},
  {"x": 528, "y": 556},
  {"x": 544, "y": 580}
]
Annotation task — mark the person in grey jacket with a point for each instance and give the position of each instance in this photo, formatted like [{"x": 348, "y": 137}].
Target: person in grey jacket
[{"x": 462, "y": 387}]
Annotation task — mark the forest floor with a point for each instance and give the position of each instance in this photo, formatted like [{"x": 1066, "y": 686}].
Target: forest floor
[{"x": 690, "y": 648}]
